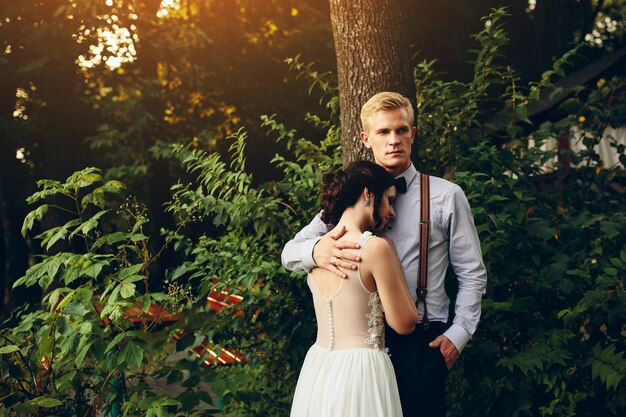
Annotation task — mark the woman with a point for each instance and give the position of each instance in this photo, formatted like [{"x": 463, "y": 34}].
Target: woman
[{"x": 347, "y": 372}]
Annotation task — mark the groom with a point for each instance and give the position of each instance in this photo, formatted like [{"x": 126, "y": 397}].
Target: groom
[{"x": 422, "y": 359}]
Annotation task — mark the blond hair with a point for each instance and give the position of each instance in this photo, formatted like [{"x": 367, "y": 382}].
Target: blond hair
[{"x": 385, "y": 101}]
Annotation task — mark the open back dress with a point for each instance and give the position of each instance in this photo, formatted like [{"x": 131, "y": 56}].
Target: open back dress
[{"x": 347, "y": 372}]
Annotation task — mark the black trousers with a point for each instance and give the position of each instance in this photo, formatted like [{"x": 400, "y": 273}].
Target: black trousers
[{"x": 420, "y": 370}]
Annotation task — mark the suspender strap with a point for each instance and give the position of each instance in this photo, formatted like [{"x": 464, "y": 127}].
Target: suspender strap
[{"x": 422, "y": 269}]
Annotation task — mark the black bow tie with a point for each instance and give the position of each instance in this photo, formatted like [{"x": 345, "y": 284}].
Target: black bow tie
[{"x": 400, "y": 184}]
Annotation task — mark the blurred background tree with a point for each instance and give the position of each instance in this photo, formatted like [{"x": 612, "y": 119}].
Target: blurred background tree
[{"x": 110, "y": 83}]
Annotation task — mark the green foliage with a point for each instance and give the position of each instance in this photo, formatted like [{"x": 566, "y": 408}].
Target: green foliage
[
  {"x": 92, "y": 343},
  {"x": 551, "y": 339},
  {"x": 273, "y": 324},
  {"x": 91, "y": 348}
]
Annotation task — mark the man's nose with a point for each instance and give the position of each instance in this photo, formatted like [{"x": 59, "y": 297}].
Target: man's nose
[{"x": 394, "y": 138}]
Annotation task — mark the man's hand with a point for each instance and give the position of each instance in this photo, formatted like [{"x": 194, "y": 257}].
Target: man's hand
[
  {"x": 329, "y": 253},
  {"x": 448, "y": 350}
]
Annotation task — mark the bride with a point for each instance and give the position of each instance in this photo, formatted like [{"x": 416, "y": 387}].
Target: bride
[{"x": 347, "y": 372}]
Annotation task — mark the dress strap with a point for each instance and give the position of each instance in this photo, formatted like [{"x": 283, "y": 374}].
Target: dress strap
[{"x": 363, "y": 239}]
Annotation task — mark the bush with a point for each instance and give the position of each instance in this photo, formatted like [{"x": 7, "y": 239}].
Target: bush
[
  {"x": 91, "y": 344},
  {"x": 100, "y": 339},
  {"x": 551, "y": 339}
]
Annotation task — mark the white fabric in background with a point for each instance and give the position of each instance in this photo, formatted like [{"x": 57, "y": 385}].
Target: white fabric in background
[{"x": 608, "y": 154}]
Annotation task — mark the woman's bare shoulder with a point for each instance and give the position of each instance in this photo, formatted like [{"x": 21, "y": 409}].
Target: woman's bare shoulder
[{"x": 377, "y": 246}]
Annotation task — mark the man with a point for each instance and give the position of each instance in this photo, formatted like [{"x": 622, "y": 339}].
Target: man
[{"x": 422, "y": 359}]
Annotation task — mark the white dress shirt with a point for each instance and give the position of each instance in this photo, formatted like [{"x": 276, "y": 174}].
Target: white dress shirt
[{"x": 453, "y": 241}]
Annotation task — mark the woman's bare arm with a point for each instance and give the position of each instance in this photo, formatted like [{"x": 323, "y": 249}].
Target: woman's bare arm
[{"x": 380, "y": 259}]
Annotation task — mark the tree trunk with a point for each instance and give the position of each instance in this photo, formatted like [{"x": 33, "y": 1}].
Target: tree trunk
[
  {"x": 373, "y": 55},
  {"x": 159, "y": 178}
]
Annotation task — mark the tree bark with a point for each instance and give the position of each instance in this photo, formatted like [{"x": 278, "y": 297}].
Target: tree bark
[{"x": 373, "y": 55}]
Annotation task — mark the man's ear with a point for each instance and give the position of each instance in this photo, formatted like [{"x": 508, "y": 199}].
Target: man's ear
[
  {"x": 365, "y": 139},
  {"x": 413, "y": 132}
]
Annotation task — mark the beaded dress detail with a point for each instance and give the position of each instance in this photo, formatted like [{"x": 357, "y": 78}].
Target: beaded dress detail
[
  {"x": 347, "y": 372},
  {"x": 376, "y": 322},
  {"x": 331, "y": 324}
]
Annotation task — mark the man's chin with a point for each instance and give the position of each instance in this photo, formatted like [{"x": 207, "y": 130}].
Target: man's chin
[{"x": 395, "y": 166}]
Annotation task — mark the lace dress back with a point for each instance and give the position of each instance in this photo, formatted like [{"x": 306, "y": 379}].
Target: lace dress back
[
  {"x": 347, "y": 372},
  {"x": 352, "y": 317}
]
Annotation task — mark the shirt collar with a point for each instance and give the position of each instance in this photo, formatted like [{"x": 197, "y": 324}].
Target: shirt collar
[{"x": 409, "y": 174}]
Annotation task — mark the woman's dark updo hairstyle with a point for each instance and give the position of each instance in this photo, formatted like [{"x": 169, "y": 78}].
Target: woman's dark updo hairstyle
[{"x": 343, "y": 188}]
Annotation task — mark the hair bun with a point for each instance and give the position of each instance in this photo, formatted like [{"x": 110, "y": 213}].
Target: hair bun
[
  {"x": 334, "y": 179},
  {"x": 343, "y": 188},
  {"x": 334, "y": 184}
]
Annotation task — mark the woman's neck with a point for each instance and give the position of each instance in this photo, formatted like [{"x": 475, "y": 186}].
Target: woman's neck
[{"x": 355, "y": 219}]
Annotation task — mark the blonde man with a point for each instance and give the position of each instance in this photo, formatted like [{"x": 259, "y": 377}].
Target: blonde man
[{"x": 422, "y": 359}]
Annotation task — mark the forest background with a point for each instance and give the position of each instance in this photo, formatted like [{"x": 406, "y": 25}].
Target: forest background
[{"x": 196, "y": 190}]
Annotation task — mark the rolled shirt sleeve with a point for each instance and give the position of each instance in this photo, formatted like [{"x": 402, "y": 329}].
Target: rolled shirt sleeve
[{"x": 297, "y": 255}]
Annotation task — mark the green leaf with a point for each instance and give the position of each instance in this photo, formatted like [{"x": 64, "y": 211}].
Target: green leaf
[
  {"x": 185, "y": 342},
  {"x": 8, "y": 349},
  {"x": 161, "y": 401},
  {"x": 113, "y": 187},
  {"x": 189, "y": 400},
  {"x": 75, "y": 310},
  {"x": 111, "y": 239},
  {"x": 84, "y": 178},
  {"x": 96, "y": 198},
  {"x": 58, "y": 234},
  {"x": 90, "y": 224},
  {"x": 513, "y": 131},
  {"x": 115, "y": 341},
  {"x": 65, "y": 380},
  {"x": 85, "y": 328},
  {"x": 36, "y": 214},
  {"x": 205, "y": 397},
  {"x": 132, "y": 354},
  {"x": 46, "y": 402},
  {"x": 138, "y": 237},
  {"x": 53, "y": 297},
  {"x": 93, "y": 270},
  {"x": 129, "y": 271},
  {"x": 540, "y": 227},
  {"x": 134, "y": 278},
  {"x": 83, "y": 349},
  {"x": 145, "y": 303},
  {"x": 608, "y": 366},
  {"x": 128, "y": 290},
  {"x": 33, "y": 274},
  {"x": 175, "y": 376},
  {"x": 70, "y": 275},
  {"x": 522, "y": 113}
]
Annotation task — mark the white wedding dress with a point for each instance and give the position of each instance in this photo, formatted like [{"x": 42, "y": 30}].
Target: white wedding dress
[{"x": 347, "y": 372}]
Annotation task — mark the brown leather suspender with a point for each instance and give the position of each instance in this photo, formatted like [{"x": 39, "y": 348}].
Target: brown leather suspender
[{"x": 422, "y": 268}]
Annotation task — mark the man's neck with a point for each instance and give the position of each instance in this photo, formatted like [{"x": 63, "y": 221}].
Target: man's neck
[{"x": 399, "y": 172}]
